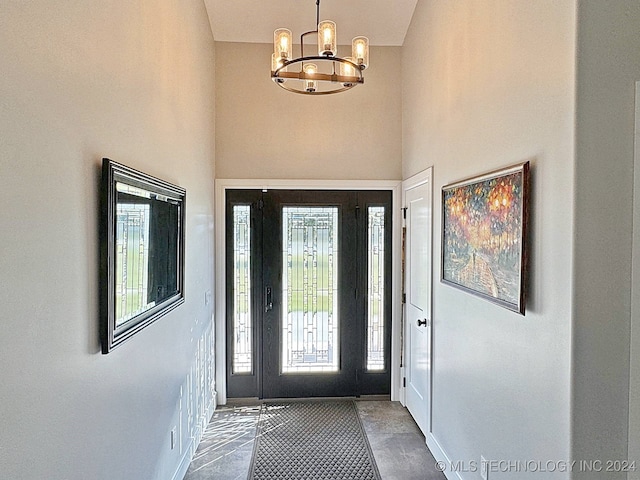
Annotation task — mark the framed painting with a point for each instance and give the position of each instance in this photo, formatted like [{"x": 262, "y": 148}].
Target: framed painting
[{"x": 484, "y": 231}]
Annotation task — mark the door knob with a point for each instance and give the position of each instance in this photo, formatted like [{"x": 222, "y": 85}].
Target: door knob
[{"x": 422, "y": 322}]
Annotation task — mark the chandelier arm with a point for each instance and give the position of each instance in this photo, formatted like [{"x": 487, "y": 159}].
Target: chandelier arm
[
  {"x": 317, "y": 12},
  {"x": 302, "y": 41}
]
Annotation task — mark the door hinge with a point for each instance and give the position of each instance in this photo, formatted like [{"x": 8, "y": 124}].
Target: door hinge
[
  {"x": 404, "y": 212},
  {"x": 404, "y": 298},
  {"x": 260, "y": 204},
  {"x": 357, "y": 210},
  {"x": 404, "y": 382}
]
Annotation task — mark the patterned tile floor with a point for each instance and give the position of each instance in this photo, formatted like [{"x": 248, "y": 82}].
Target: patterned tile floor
[{"x": 397, "y": 443}]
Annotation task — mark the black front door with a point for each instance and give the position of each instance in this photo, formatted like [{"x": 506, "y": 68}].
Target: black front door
[{"x": 308, "y": 293}]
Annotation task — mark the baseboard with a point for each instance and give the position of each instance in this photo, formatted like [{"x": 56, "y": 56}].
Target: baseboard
[
  {"x": 440, "y": 456},
  {"x": 194, "y": 441},
  {"x": 184, "y": 465}
]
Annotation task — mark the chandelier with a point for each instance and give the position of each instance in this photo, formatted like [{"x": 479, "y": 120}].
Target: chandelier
[{"x": 320, "y": 74}]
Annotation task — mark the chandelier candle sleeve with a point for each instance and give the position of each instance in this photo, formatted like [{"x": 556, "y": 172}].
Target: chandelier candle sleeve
[
  {"x": 283, "y": 44},
  {"x": 360, "y": 51},
  {"x": 276, "y": 63},
  {"x": 310, "y": 69},
  {"x": 327, "y": 39},
  {"x": 347, "y": 70}
]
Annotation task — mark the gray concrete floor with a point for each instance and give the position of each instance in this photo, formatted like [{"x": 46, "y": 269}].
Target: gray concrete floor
[{"x": 398, "y": 445}]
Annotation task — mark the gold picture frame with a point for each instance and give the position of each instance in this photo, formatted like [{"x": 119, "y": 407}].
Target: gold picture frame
[{"x": 484, "y": 232}]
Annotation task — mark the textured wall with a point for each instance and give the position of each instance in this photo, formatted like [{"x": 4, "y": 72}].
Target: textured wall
[{"x": 82, "y": 80}]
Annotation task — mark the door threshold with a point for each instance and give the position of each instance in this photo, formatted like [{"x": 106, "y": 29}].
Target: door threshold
[
  {"x": 257, "y": 401},
  {"x": 243, "y": 402}
]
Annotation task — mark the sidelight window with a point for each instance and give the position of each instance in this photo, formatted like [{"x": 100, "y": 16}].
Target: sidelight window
[
  {"x": 375, "y": 290},
  {"x": 242, "y": 322}
]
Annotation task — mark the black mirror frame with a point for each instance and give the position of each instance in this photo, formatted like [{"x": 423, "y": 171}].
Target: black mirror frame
[{"x": 112, "y": 172}]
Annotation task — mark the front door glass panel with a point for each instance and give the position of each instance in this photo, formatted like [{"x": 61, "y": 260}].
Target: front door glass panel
[{"x": 309, "y": 334}]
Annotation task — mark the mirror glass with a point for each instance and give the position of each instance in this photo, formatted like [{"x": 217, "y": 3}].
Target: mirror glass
[{"x": 146, "y": 250}]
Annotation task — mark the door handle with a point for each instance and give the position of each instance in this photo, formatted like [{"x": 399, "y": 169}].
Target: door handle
[
  {"x": 422, "y": 322},
  {"x": 268, "y": 303}
]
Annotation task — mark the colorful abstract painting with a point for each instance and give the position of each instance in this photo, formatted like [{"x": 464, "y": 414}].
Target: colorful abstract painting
[{"x": 484, "y": 232}]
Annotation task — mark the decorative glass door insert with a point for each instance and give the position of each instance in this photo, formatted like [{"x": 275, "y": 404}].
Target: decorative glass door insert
[
  {"x": 309, "y": 335},
  {"x": 242, "y": 322},
  {"x": 375, "y": 289}
]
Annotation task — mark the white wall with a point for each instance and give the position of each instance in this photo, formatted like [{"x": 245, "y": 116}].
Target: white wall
[
  {"x": 489, "y": 83},
  {"x": 608, "y": 52},
  {"x": 263, "y": 131},
  {"x": 80, "y": 80}
]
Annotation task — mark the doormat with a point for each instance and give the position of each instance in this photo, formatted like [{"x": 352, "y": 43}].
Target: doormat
[{"x": 311, "y": 440}]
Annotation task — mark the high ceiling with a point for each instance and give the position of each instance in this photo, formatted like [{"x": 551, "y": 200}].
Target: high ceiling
[{"x": 385, "y": 22}]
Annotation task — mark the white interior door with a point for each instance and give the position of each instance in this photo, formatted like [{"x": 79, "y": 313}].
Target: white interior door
[{"x": 418, "y": 274}]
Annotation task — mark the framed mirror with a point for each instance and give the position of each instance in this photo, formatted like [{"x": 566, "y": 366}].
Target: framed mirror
[{"x": 142, "y": 251}]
